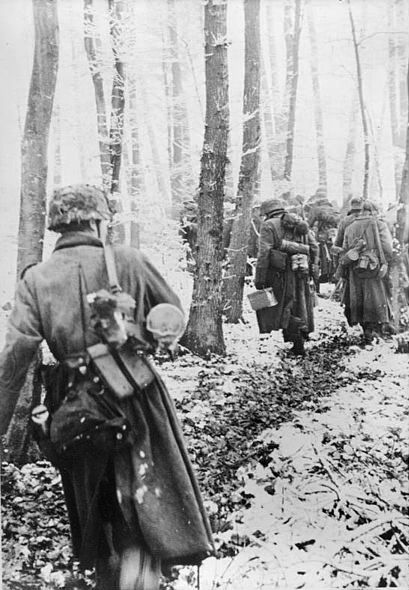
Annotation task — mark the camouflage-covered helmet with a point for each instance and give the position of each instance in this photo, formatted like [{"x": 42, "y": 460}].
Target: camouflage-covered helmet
[
  {"x": 76, "y": 203},
  {"x": 271, "y": 206}
]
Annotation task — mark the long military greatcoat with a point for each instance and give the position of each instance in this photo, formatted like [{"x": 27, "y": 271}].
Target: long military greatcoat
[
  {"x": 366, "y": 300},
  {"x": 294, "y": 312},
  {"x": 159, "y": 499}
]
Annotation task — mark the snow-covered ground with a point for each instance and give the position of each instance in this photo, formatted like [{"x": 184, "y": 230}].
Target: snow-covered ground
[{"x": 337, "y": 480}]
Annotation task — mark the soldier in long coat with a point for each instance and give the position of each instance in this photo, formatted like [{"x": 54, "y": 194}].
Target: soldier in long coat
[
  {"x": 138, "y": 507},
  {"x": 290, "y": 235},
  {"x": 366, "y": 300}
]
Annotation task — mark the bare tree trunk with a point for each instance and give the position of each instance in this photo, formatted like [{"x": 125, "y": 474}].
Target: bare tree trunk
[
  {"x": 168, "y": 98},
  {"x": 402, "y": 18},
  {"x": 118, "y": 93},
  {"x": 392, "y": 86},
  {"x": 402, "y": 232},
  {"x": 350, "y": 152},
  {"x": 319, "y": 125},
  {"x": 180, "y": 171},
  {"x": 116, "y": 130},
  {"x": 292, "y": 43},
  {"x": 361, "y": 103},
  {"x": 34, "y": 171},
  {"x": 94, "y": 66},
  {"x": 57, "y": 146},
  {"x": 273, "y": 112},
  {"x": 248, "y": 176},
  {"x": 136, "y": 178},
  {"x": 204, "y": 333}
]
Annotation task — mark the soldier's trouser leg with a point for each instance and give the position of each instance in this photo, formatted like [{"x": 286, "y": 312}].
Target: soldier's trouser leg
[{"x": 138, "y": 570}]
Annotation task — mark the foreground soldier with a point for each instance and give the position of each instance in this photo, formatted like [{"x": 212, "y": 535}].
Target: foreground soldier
[{"x": 135, "y": 506}]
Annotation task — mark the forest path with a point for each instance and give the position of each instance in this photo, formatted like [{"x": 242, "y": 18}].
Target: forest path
[{"x": 304, "y": 461}]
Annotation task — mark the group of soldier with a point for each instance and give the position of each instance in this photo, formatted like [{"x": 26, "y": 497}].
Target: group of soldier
[{"x": 328, "y": 237}]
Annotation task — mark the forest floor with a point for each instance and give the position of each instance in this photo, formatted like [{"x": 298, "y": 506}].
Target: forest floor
[{"x": 303, "y": 464}]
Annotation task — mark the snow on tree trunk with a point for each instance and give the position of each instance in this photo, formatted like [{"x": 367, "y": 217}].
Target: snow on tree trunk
[
  {"x": 272, "y": 111},
  {"x": 90, "y": 43},
  {"x": 403, "y": 210},
  {"x": 135, "y": 173},
  {"x": 118, "y": 93},
  {"x": 292, "y": 44},
  {"x": 204, "y": 333},
  {"x": 248, "y": 175},
  {"x": 116, "y": 130},
  {"x": 180, "y": 172},
  {"x": 361, "y": 102},
  {"x": 34, "y": 169},
  {"x": 318, "y": 116},
  {"x": 392, "y": 87}
]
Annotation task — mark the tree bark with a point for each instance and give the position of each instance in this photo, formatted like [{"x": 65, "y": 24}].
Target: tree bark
[
  {"x": 118, "y": 93},
  {"x": 402, "y": 18},
  {"x": 392, "y": 87},
  {"x": 273, "y": 111},
  {"x": 361, "y": 103},
  {"x": 57, "y": 146},
  {"x": 350, "y": 152},
  {"x": 204, "y": 333},
  {"x": 180, "y": 171},
  {"x": 90, "y": 43},
  {"x": 136, "y": 178},
  {"x": 248, "y": 175},
  {"x": 319, "y": 124},
  {"x": 34, "y": 169},
  {"x": 402, "y": 232},
  {"x": 292, "y": 44}
]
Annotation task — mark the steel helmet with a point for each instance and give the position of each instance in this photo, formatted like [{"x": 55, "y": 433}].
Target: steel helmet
[
  {"x": 76, "y": 203},
  {"x": 271, "y": 205}
]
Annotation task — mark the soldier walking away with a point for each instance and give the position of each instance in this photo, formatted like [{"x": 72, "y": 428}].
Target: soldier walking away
[
  {"x": 288, "y": 262},
  {"x": 132, "y": 498},
  {"x": 367, "y": 252}
]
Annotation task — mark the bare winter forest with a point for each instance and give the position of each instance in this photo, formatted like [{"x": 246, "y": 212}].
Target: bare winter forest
[{"x": 190, "y": 113}]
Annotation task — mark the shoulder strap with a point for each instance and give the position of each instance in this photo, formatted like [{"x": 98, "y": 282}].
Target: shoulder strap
[
  {"x": 379, "y": 244},
  {"x": 111, "y": 268}
]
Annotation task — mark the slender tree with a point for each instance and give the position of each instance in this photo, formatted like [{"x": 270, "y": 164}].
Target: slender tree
[
  {"x": 118, "y": 92},
  {"x": 180, "y": 170},
  {"x": 91, "y": 48},
  {"x": 365, "y": 128},
  {"x": 350, "y": 151},
  {"x": 34, "y": 169},
  {"x": 136, "y": 181},
  {"x": 318, "y": 116},
  {"x": 272, "y": 108},
  {"x": 204, "y": 333},
  {"x": 57, "y": 169},
  {"x": 403, "y": 210},
  {"x": 292, "y": 44},
  {"x": 250, "y": 159}
]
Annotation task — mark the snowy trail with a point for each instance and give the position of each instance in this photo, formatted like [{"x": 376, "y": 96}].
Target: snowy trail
[
  {"x": 328, "y": 508},
  {"x": 303, "y": 464}
]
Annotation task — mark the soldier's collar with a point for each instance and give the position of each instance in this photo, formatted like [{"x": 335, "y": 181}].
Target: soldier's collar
[{"x": 77, "y": 238}]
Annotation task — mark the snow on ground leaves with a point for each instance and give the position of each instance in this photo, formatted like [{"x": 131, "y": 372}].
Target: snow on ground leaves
[{"x": 329, "y": 510}]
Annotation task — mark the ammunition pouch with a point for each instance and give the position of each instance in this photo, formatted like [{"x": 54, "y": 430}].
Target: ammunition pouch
[{"x": 123, "y": 371}]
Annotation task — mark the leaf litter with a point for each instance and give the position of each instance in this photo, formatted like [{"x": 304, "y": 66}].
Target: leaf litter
[{"x": 303, "y": 465}]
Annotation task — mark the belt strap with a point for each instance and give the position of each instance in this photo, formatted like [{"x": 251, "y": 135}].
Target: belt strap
[{"x": 111, "y": 269}]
